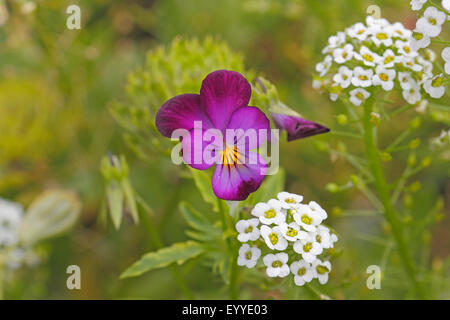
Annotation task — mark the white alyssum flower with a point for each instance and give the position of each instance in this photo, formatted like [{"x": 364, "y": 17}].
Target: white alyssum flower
[
  {"x": 315, "y": 207},
  {"x": 344, "y": 54},
  {"x": 10, "y": 217},
  {"x": 274, "y": 238},
  {"x": 398, "y": 30},
  {"x": 248, "y": 256},
  {"x": 323, "y": 237},
  {"x": 362, "y": 77},
  {"x": 417, "y": 4},
  {"x": 446, "y": 56},
  {"x": 404, "y": 48},
  {"x": 442, "y": 139},
  {"x": 358, "y": 31},
  {"x": 321, "y": 270},
  {"x": 434, "y": 87},
  {"x": 368, "y": 57},
  {"x": 446, "y": 5},
  {"x": 388, "y": 59},
  {"x": 323, "y": 67},
  {"x": 381, "y": 35},
  {"x": 291, "y": 231},
  {"x": 412, "y": 95},
  {"x": 307, "y": 218},
  {"x": 384, "y": 77},
  {"x": 358, "y": 95},
  {"x": 422, "y": 107},
  {"x": 419, "y": 40},
  {"x": 308, "y": 247},
  {"x": 302, "y": 271},
  {"x": 248, "y": 230},
  {"x": 277, "y": 265},
  {"x": 289, "y": 200},
  {"x": 269, "y": 213},
  {"x": 431, "y": 22},
  {"x": 343, "y": 77}
]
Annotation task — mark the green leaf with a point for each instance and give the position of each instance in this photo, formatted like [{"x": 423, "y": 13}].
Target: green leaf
[
  {"x": 115, "y": 200},
  {"x": 130, "y": 200},
  {"x": 178, "y": 252},
  {"x": 202, "y": 181}
]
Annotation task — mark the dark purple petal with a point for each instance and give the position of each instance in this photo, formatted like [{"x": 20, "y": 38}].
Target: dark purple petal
[
  {"x": 222, "y": 93},
  {"x": 199, "y": 151},
  {"x": 236, "y": 182},
  {"x": 180, "y": 112},
  {"x": 296, "y": 127}
]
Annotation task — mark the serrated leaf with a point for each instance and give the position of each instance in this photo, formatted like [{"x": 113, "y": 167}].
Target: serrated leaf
[{"x": 176, "y": 253}]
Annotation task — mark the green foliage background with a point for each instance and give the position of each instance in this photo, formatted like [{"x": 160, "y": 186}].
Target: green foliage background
[{"x": 67, "y": 88}]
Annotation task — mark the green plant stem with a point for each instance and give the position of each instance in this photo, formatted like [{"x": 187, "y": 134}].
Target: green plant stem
[
  {"x": 227, "y": 223},
  {"x": 382, "y": 188},
  {"x": 316, "y": 292},
  {"x": 1, "y": 281}
]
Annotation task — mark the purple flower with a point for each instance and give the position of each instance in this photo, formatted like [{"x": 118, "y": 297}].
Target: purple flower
[
  {"x": 296, "y": 127},
  {"x": 221, "y": 106}
]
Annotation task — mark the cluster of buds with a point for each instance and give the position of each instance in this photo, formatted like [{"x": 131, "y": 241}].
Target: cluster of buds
[{"x": 290, "y": 237}]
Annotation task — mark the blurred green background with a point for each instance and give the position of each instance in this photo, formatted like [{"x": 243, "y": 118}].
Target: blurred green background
[{"x": 55, "y": 88}]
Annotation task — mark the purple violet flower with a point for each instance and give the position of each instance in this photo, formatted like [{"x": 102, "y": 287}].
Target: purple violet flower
[
  {"x": 296, "y": 127},
  {"x": 222, "y": 105}
]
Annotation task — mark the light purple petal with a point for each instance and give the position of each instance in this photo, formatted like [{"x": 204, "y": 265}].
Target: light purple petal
[
  {"x": 296, "y": 127},
  {"x": 236, "y": 182},
  {"x": 222, "y": 93},
  {"x": 251, "y": 127},
  {"x": 180, "y": 112}
]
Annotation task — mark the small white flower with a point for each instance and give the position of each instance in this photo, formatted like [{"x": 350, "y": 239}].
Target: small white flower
[
  {"x": 410, "y": 63},
  {"x": 362, "y": 77},
  {"x": 431, "y": 22},
  {"x": 302, "y": 272},
  {"x": 412, "y": 94},
  {"x": 314, "y": 206},
  {"x": 308, "y": 247},
  {"x": 405, "y": 79},
  {"x": 446, "y": 5},
  {"x": 419, "y": 40},
  {"x": 336, "y": 40},
  {"x": 430, "y": 55},
  {"x": 384, "y": 77},
  {"x": 289, "y": 200},
  {"x": 404, "y": 48},
  {"x": 358, "y": 95},
  {"x": 321, "y": 270},
  {"x": 417, "y": 4},
  {"x": 368, "y": 57},
  {"x": 291, "y": 231},
  {"x": 398, "y": 30},
  {"x": 381, "y": 35},
  {"x": 434, "y": 86},
  {"x": 442, "y": 139},
  {"x": 323, "y": 67},
  {"x": 308, "y": 219},
  {"x": 248, "y": 256},
  {"x": 324, "y": 237},
  {"x": 248, "y": 230},
  {"x": 446, "y": 56},
  {"x": 344, "y": 54},
  {"x": 343, "y": 77},
  {"x": 358, "y": 31},
  {"x": 269, "y": 212},
  {"x": 274, "y": 238},
  {"x": 277, "y": 265},
  {"x": 388, "y": 59},
  {"x": 10, "y": 217},
  {"x": 422, "y": 107}
]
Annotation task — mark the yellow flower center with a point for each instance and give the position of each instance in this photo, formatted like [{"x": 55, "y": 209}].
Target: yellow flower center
[
  {"x": 322, "y": 269},
  {"x": 360, "y": 31},
  {"x": 307, "y": 247},
  {"x": 289, "y": 200},
  {"x": 306, "y": 219},
  {"x": 407, "y": 49},
  {"x": 273, "y": 237},
  {"x": 432, "y": 21},
  {"x": 382, "y": 36},
  {"x": 384, "y": 76},
  {"x": 318, "y": 239},
  {"x": 277, "y": 264},
  {"x": 388, "y": 59},
  {"x": 437, "y": 82},
  {"x": 248, "y": 255},
  {"x": 362, "y": 77},
  {"x": 291, "y": 232},
  {"x": 367, "y": 57},
  {"x": 269, "y": 214},
  {"x": 301, "y": 271},
  {"x": 359, "y": 95},
  {"x": 249, "y": 229}
]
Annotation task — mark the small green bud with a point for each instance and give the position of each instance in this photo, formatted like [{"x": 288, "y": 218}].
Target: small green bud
[
  {"x": 408, "y": 200},
  {"x": 321, "y": 146},
  {"x": 342, "y": 119},
  {"x": 407, "y": 219},
  {"x": 415, "y": 123},
  {"x": 386, "y": 156},
  {"x": 415, "y": 186},
  {"x": 412, "y": 159},
  {"x": 332, "y": 187},
  {"x": 336, "y": 211},
  {"x": 413, "y": 144},
  {"x": 425, "y": 162}
]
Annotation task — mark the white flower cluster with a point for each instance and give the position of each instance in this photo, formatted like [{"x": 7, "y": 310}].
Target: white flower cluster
[
  {"x": 11, "y": 215},
  {"x": 290, "y": 236},
  {"x": 442, "y": 139},
  {"x": 429, "y": 26},
  {"x": 376, "y": 55}
]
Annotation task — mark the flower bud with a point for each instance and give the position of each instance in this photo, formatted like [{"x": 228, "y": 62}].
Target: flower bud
[{"x": 50, "y": 214}]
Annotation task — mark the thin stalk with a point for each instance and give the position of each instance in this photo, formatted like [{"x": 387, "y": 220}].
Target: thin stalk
[
  {"x": 382, "y": 188},
  {"x": 227, "y": 223},
  {"x": 1, "y": 281},
  {"x": 316, "y": 292}
]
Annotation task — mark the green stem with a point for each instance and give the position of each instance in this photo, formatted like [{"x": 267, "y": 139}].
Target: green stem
[
  {"x": 316, "y": 292},
  {"x": 382, "y": 188},
  {"x": 227, "y": 222},
  {"x": 1, "y": 281}
]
